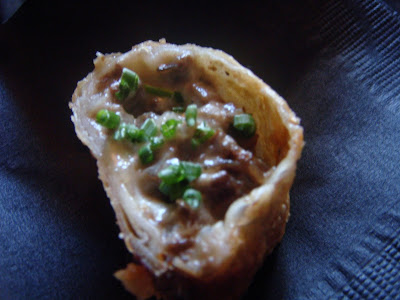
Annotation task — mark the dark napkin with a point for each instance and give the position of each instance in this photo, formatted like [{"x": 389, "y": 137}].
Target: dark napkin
[
  {"x": 336, "y": 62},
  {"x": 8, "y": 8}
]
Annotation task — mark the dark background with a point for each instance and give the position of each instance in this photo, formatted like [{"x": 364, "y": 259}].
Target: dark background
[{"x": 337, "y": 63}]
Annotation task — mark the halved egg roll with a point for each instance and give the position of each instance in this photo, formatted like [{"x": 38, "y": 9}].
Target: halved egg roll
[{"x": 197, "y": 155}]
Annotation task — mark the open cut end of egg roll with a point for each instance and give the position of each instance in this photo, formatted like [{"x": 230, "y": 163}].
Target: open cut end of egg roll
[{"x": 212, "y": 251}]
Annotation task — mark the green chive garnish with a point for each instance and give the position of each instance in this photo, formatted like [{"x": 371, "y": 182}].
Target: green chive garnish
[
  {"x": 165, "y": 189},
  {"x": 178, "y": 109},
  {"x": 146, "y": 154},
  {"x": 192, "y": 197},
  {"x": 191, "y": 170},
  {"x": 128, "y": 84},
  {"x": 175, "y": 182},
  {"x": 156, "y": 142},
  {"x": 133, "y": 133},
  {"x": 149, "y": 128},
  {"x": 127, "y": 132},
  {"x": 156, "y": 91},
  {"x": 168, "y": 129},
  {"x": 140, "y": 136},
  {"x": 245, "y": 124},
  {"x": 180, "y": 171},
  {"x": 202, "y": 134},
  {"x": 195, "y": 143},
  {"x": 120, "y": 133},
  {"x": 191, "y": 115},
  {"x": 108, "y": 119},
  {"x": 172, "y": 174},
  {"x": 173, "y": 191}
]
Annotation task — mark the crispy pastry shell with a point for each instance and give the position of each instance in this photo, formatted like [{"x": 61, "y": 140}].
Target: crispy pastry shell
[{"x": 226, "y": 255}]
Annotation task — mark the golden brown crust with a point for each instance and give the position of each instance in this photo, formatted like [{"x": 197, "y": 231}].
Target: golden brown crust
[
  {"x": 137, "y": 280},
  {"x": 253, "y": 224}
]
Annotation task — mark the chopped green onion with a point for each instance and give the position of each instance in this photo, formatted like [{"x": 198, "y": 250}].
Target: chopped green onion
[
  {"x": 128, "y": 84},
  {"x": 108, "y": 119},
  {"x": 191, "y": 170},
  {"x": 175, "y": 180},
  {"x": 146, "y": 154},
  {"x": 165, "y": 189},
  {"x": 202, "y": 134},
  {"x": 133, "y": 133},
  {"x": 149, "y": 128},
  {"x": 195, "y": 143},
  {"x": 178, "y": 109},
  {"x": 178, "y": 97},
  {"x": 129, "y": 132},
  {"x": 172, "y": 174},
  {"x": 173, "y": 191},
  {"x": 168, "y": 129},
  {"x": 179, "y": 171},
  {"x": 120, "y": 133},
  {"x": 192, "y": 197},
  {"x": 245, "y": 124},
  {"x": 125, "y": 131},
  {"x": 156, "y": 142},
  {"x": 156, "y": 91},
  {"x": 140, "y": 136},
  {"x": 191, "y": 115}
]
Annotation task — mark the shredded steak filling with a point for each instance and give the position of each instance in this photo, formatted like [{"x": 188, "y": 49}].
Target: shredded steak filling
[{"x": 229, "y": 167}]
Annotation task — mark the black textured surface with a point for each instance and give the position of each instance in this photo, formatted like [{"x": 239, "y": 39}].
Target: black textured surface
[
  {"x": 337, "y": 63},
  {"x": 8, "y": 8}
]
